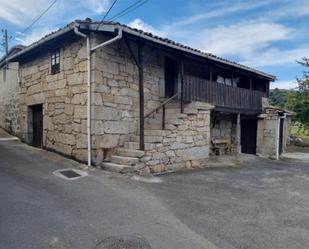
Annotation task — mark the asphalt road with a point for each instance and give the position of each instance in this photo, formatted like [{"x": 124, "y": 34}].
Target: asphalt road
[{"x": 263, "y": 204}]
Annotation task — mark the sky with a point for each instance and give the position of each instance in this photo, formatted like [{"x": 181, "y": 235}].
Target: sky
[{"x": 269, "y": 35}]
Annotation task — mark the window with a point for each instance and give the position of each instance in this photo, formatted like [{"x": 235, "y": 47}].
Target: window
[{"x": 55, "y": 62}]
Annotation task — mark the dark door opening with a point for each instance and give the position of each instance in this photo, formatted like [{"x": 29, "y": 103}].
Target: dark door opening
[
  {"x": 37, "y": 125},
  {"x": 248, "y": 135},
  {"x": 281, "y": 126},
  {"x": 171, "y": 76}
]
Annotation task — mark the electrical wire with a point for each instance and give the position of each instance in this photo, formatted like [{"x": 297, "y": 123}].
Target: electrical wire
[
  {"x": 37, "y": 19},
  {"x": 128, "y": 9},
  {"x": 106, "y": 14}
]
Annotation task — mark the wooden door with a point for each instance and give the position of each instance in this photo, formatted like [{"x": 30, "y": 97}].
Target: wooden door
[
  {"x": 37, "y": 121},
  {"x": 248, "y": 135}
]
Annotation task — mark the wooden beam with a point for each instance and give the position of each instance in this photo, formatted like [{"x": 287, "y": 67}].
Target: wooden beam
[
  {"x": 210, "y": 73},
  {"x": 141, "y": 97},
  {"x": 238, "y": 134},
  {"x": 181, "y": 84}
]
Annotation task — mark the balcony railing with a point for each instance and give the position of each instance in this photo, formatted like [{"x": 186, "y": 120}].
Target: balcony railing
[{"x": 220, "y": 95}]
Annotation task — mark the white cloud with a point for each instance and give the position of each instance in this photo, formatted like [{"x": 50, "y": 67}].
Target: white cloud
[
  {"x": 22, "y": 13},
  {"x": 221, "y": 11},
  {"x": 139, "y": 24},
  {"x": 288, "y": 84},
  {"x": 241, "y": 38},
  {"x": 274, "y": 56},
  {"x": 34, "y": 35}
]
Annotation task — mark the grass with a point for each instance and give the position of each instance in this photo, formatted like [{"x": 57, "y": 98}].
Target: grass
[{"x": 299, "y": 130}]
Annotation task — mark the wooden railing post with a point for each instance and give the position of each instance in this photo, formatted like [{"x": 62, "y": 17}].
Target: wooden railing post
[{"x": 163, "y": 117}]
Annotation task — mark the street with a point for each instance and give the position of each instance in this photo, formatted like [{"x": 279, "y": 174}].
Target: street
[{"x": 264, "y": 204}]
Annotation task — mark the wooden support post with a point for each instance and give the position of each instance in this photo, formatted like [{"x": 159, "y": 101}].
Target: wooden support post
[
  {"x": 210, "y": 73},
  {"x": 141, "y": 98},
  {"x": 238, "y": 134},
  {"x": 163, "y": 117},
  {"x": 181, "y": 85},
  {"x": 250, "y": 83}
]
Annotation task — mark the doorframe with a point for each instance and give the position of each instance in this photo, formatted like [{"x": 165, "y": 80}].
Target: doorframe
[
  {"x": 30, "y": 123},
  {"x": 278, "y": 134},
  {"x": 242, "y": 117}
]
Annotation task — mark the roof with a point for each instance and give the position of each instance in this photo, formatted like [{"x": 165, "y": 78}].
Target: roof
[
  {"x": 112, "y": 27},
  {"x": 13, "y": 50}
]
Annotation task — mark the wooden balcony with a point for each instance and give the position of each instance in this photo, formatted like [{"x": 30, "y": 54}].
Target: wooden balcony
[{"x": 223, "y": 97}]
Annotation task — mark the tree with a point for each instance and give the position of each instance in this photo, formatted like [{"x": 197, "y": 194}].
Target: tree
[
  {"x": 303, "y": 83},
  {"x": 277, "y": 97},
  {"x": 298, "y": 101}
]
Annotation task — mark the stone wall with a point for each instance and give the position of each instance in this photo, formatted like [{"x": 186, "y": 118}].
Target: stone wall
[
  {"x": 266, "y": 145},
  {"x": 116, "y": 94},
  {"x": 9, "y": 99},
  {"x": 224, "y": 126},
  {"x": 184, "y": 143},
  {"x": 63, "y": 96}
]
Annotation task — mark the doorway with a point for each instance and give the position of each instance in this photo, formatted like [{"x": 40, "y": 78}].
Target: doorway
[
  {"x": 171, "y": 76},
  {"x": 37, "y": 125},
  {"x": 248, "y": 135}
]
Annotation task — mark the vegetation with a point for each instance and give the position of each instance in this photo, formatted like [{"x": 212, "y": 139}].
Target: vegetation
[{"x": 296, "y": 101}]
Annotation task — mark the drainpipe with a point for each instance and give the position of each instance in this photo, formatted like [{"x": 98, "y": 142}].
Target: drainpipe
[{"x": 89, "y": 52}]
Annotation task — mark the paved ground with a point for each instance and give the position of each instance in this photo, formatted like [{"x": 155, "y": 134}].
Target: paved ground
[{"x": 263, "y": 204}]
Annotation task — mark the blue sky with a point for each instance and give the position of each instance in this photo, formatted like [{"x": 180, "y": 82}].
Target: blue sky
[{"x": 267, "y": 35}]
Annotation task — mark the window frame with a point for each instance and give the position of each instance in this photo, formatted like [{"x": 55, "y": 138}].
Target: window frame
[{"x": 55, "y": 61}]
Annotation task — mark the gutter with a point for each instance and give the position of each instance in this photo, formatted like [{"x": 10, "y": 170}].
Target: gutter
[{"x": 89, "y": 52}]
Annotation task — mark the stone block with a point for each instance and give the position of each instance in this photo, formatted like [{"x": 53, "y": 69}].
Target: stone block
[
  {"x": 194, "y": 153},
  {"x": 105, "y": 141}
]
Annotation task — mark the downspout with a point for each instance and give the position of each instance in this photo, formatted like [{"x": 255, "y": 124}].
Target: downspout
[{"x": 89, "y": 52}]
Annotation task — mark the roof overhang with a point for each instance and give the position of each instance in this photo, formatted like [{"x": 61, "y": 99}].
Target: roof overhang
[{"x": 112, "y": 27}]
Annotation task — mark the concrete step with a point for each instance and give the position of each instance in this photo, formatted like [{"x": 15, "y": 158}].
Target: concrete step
[
  {"x": 118, "y": 168},
  {"x": 135, "y": 146},
  {"x": 129, "y": 153},
  {"x": 122, "y": 160},
  {"x": 148, "y": 139}
]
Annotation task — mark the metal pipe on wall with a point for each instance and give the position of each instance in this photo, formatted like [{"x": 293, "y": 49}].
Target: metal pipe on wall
[{"x": 89, "y": 52}]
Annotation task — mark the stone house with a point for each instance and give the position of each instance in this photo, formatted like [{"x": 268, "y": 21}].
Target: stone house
[
  {"x": 127, "y": 100},
  {"x": 9, "y": 93}
]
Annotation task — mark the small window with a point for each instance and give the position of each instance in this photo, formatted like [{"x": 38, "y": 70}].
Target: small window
[
  {"x": 55, "y": 62},
  {"x": 4, "y": 73}
]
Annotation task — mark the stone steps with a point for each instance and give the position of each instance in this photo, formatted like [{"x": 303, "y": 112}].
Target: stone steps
[
  {"x": 129, "y": 153},
  {"x": 156, "y": 132},
  {"x": 148, "y": 139},
  {"x": 135, "y": 146},
  {"x": 123, "y": 161},
  {"x": 118, "y": 168},
  {"x": 153, "y": 126}
]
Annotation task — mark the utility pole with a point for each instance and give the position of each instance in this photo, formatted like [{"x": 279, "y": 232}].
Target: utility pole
[{"x": 5, "y": 41}]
